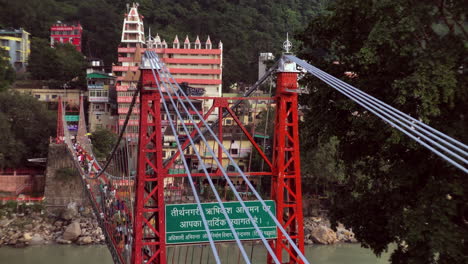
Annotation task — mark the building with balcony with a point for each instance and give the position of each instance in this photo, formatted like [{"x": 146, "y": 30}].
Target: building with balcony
[
  {"x": 18, "y": 46},
  {"x": 100, "y": 86},
  {"x": 197, "y": 64},
  {"x": 65, "y": 33}
]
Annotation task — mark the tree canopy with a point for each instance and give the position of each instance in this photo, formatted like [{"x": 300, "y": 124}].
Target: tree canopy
[
  {"x": 62, "y": 63},
  {"x": 245, "y": 27},
  {"x": 7, "y": 73},
  {"x": 103, "y": 141},
  {"x": 26, "y": 126},
  {"x": 412, "y": 55}
]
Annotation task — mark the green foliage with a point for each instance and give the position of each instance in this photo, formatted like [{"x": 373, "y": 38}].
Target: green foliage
[
  {"x": 65, "y": 174},
  {"x": 323, "y": 169},
  {"x": 411, "y": 54},
  {"x": 103, "y": 141},
  {"x": 7, "y": 73},
  {"x": 245, "y": 27},
  {"x": 62, "y": 63},
  {"x": 26, "y": 126}
]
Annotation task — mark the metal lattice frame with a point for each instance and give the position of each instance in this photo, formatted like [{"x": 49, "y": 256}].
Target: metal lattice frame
[
  {"x": 286, "y": 180},
  {"x": 149, "y": 229}
]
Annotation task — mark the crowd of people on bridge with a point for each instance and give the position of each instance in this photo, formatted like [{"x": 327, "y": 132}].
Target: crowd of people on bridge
[{"x": 113, "y": 209}]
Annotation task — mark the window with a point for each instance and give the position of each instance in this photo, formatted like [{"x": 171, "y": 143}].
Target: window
[
  {"x": 228, "y": 121},
  {"x": 234, "y": 151},
  {"x": 54, "y": 96},
  {"x": 38, "y": 96}
]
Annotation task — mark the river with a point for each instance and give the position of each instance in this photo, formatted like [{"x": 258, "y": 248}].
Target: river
[{"x": 58, "y": 254}]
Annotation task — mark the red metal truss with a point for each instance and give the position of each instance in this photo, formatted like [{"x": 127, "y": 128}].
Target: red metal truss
[
  {"x": 223, "y": 105},
  {"x": 60, "y": 132},
  {"x": 286, "y": 181},
  {"x": 149, "y": 229}
]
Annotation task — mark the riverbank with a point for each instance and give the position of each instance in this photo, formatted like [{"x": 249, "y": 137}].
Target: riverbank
[
  {"x": 24, "y": 225},
  {"x": 98, "y": 254}
]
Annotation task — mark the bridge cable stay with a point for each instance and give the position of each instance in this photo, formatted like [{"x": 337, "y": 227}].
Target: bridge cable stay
[
  {"x": 117, "y": 143},
  {"x": 191, "y": 180},
  {"x": 164, "y": 72},
  {"x": 156, "y": 65},
  {"x": 167, "y": 73},
  {"x": 392, "y": 115},
  {"x": 192, "y": 143},
  {"x": 98, "y": 210},
  {"x": 236, "y": 104},
  {"x": 384, "y": 108}
]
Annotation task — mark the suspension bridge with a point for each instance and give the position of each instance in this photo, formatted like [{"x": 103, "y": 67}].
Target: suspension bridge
[{"x": 154, "y": 209}]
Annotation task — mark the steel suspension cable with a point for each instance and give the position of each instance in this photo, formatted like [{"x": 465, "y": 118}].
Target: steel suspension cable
[
  {"x": 223, "y": 209},
  {"x": 391, "y": 115},
  {"x": 278, "y": 224},
  {"x": 238, "y": 102},
  {"x": 372, "y": 107},
  {"x": 396, "y": 113},
  {"x": 187, "y": 168},
  {"x": 116, "y": 145}
]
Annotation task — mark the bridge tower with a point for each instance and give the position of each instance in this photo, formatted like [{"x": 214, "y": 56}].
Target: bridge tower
[
  {"x": 286, "y": 180},
  {"x": 149, "y": 229}
]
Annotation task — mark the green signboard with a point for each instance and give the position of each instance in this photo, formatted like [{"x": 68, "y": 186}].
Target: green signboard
[
  {"x": 72, "y": 118},
  {"x": 184, "y": 223}
]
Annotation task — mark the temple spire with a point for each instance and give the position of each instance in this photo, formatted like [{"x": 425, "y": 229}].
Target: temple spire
[
  {"x": 208, "y": 43},
  {"x": 186, "y": 43}
]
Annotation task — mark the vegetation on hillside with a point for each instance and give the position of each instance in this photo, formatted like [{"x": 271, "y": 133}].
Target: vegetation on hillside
[
  {"x": 63, "y": 63},
  {"x": 25, "y": 125},
  {"x": 245, "y": 27},
  {"x": 388, "y": 189},
  {"x": 7, "y": 73},
  {"x": 103, "y": 140}
]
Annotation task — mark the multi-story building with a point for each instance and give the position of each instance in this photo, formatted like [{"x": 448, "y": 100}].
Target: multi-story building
[
  {"x": 100, "y": 113},
  {"x": 44, "y": 93},
  {"x": 64, "y": 33},
  {"x": 17, "y": 43},
  {"x": 197, "y": 64}
]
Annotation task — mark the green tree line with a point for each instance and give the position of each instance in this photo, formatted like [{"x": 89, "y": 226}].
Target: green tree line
[
  {"x": 386, "y": 187},
  {"x": 245, "y": 27}
]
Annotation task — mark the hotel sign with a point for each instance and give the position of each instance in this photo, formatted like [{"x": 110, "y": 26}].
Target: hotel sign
[{"x": 184, "y": 223}]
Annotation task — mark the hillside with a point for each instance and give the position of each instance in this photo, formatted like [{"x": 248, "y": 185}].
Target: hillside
[{"x": 245, "y": 27}]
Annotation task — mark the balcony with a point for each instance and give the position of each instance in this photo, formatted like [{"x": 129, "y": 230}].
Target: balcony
[
  {"x": 124, "y": 68},
  {"x": 98, "y": 86},
  {"x": 98, "y": 99}
]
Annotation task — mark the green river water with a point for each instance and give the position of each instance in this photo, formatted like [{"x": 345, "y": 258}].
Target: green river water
[{"x": 332, "y": 254}]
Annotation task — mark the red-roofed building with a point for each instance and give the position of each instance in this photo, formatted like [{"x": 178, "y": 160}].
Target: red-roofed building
[{"x": 64, "y": 33}]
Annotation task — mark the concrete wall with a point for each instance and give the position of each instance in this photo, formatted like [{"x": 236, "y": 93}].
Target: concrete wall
[
  {"x": 21, "y": 183},
  {"x": 61, "y": 191}
]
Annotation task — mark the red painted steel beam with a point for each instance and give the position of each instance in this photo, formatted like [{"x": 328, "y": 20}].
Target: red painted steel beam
[
  {"x": 260, "y": 151},
  {"x": 286, "y": 180},
  {"x": 213, "y": 174},
  {"x": 149, "y": 229}
]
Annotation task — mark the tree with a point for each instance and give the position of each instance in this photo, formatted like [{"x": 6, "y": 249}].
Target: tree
[
  {"x": 43, "y": 61},
  {"x": 411, "y": 54},
  {"x": 7, "y": 73},
  {"x": 103, "y": 141},
  {"x": 62, "y": 63},
  {"x": 26, "y": 126}
]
